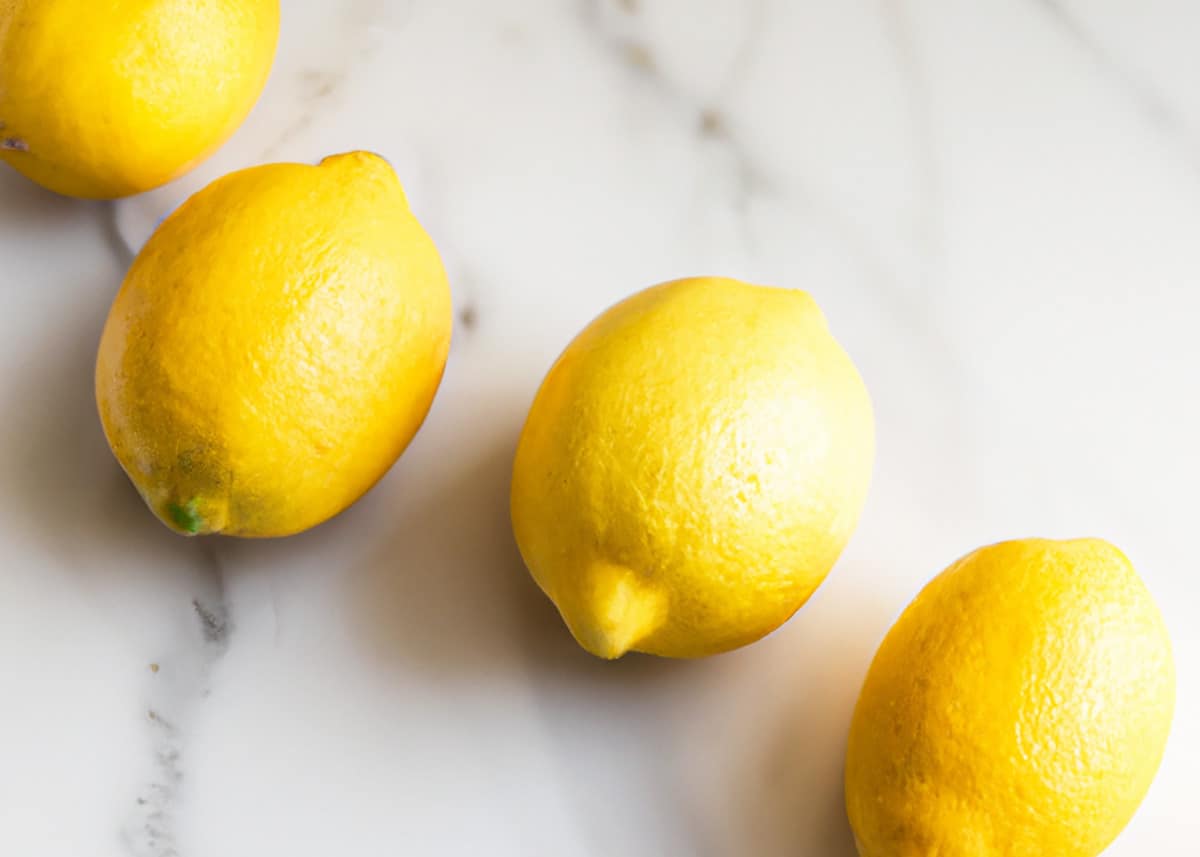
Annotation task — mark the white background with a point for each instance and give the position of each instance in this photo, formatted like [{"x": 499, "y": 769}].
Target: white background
[{"x": 996, "y": 203}]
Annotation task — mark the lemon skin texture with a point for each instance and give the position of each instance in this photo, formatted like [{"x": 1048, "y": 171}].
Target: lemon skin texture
[
  {"x": 274, "y": 348},
  {"x": 691, "y": 468},
  {"x": 1018, "y": 708},
  {"x": 106, "y": 99}
]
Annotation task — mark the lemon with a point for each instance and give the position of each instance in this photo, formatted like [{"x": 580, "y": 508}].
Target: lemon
[
  {"x": 1019, "y": 707},
  {"x": 691, "y": 468},
  {"x": 274, "y": 348},
  {"x": 102, "y": 100}
]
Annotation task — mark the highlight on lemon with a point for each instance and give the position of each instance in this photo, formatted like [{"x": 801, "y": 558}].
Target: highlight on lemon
[
  {"x": 691, "y": 468},
  {"x": 274, "y": 348},
  {"x": 103, "y": 100},
  {"x": 1018, "y": 708}
]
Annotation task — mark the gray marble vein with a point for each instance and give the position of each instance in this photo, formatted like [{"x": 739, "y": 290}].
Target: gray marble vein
[
  {"x": 1155, "y": 106},
  {"x": 927, "y": 154},
  {"x": 179, "y": 686}
]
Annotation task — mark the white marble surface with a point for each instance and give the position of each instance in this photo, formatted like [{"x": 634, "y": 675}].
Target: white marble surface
[{"x": 998, "y": 205}]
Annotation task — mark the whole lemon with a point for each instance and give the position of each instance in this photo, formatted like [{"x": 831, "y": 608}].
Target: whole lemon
[
  {"x": 691, "y": 468},
  {"x": 1019, "y": 707},
  {"x": 275, "y": 346},
  {"x": 102, "y": 100}
]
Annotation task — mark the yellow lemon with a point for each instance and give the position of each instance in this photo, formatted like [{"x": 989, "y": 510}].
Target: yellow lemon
[
  {"x": 274, "y": 348},
  {"x": 102, "y": 100},
  {"x": 691, "y": 468},
  {"x": 1018, "y": 708}
]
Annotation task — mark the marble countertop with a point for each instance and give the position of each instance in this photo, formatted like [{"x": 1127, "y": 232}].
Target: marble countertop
[{"x": 998, "y": 206}]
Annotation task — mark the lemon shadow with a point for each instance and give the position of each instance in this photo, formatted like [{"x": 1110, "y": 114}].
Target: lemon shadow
[
  {"x": 788, "y": 793},
  {"x": 26, "y": 206},
  {"x": 64, "y": 491},
  {"x": 447, "y": 591},
  {"x": 61, "y": 487},
  {"x": 438, "y": 591},
  {"x": 64, "y": 487}
]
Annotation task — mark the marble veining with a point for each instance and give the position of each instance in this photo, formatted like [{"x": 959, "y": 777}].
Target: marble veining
[
  {"x": 1156, "y": 106},
  {"x": 151, "y": 828},
  {"x": 995, "y": 205}
]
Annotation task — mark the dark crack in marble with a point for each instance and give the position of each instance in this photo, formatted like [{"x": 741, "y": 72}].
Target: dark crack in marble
[{"x": 152, "y": 829}]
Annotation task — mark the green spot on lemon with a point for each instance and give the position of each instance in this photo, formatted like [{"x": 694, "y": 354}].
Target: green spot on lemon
[{"x": 186, "y": 517}]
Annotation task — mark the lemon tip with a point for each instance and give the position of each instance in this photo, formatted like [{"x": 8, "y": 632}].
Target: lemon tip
[{"x": 622, "y": 611}]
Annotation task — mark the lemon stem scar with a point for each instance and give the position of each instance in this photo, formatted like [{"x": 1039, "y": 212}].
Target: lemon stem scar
[
  {"x": 14, "y": 144},
  {"x": 186, "y": 517}
]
